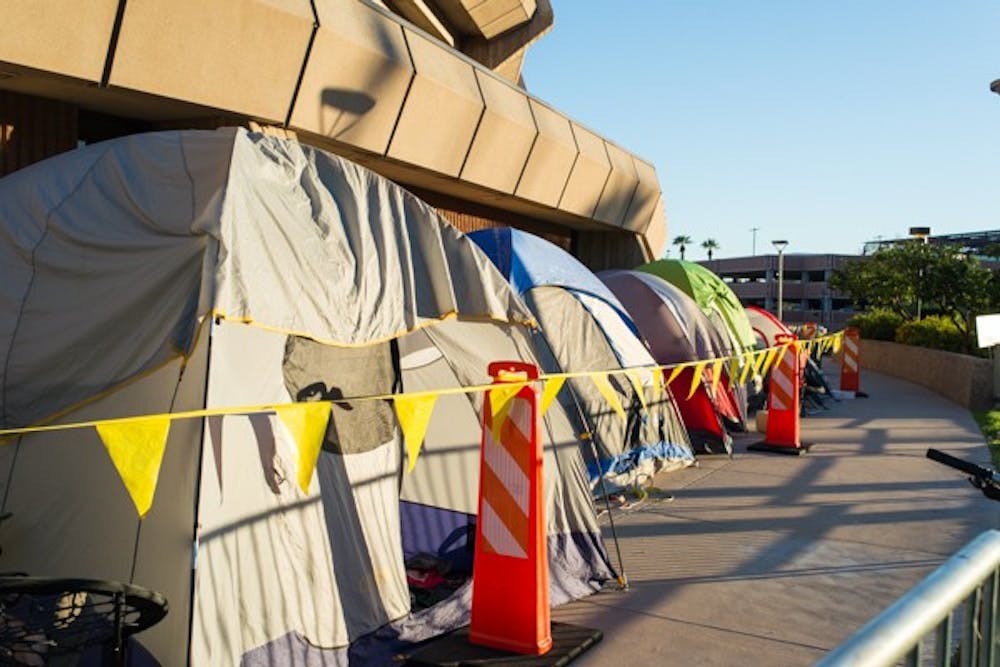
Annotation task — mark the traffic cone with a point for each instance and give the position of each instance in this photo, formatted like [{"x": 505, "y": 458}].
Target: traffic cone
[
  {"x": 782, "y": 436},
  {"x": 510, "y": 573},
  {"x": 850, "y": 367}
]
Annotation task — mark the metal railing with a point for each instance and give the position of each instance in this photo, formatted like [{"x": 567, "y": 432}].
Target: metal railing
[{"x": 962, "y": 592}]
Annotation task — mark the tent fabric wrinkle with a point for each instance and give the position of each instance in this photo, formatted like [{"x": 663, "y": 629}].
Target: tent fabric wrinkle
[{"x": 392, "y": 275}]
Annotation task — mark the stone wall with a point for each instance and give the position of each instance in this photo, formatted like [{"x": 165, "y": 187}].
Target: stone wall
[{"x": 966, "y": 380}]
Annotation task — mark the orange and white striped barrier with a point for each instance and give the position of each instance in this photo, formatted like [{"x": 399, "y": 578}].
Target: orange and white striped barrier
[
  {"x": 850, "y": 367},
  {"x": 510, "y": 574},
  {"x": 783, "y": 434}
]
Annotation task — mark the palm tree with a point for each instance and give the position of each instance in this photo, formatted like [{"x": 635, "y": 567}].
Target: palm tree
[
  {"x": 681, "y": 241},
  {"x": 710, "y": 245}
]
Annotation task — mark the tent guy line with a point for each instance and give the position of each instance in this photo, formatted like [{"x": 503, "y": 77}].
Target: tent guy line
[{"x": 759, "y": 364}]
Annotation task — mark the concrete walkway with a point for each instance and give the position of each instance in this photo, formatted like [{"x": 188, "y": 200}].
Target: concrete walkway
[{"x": 773, "y": 560}]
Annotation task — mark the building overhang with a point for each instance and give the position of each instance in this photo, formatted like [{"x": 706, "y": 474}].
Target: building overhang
[{"x": 342, "y": 74}]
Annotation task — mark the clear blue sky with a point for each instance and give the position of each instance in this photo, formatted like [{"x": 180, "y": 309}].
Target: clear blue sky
[{"x": 825, "y": 123}]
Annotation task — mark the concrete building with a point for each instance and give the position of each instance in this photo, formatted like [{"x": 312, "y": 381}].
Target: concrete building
[
  {"x": 426, "y": 92},
  {"x": 806, "y": 292}
]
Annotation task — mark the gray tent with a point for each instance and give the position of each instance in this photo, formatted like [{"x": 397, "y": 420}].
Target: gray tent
[
  {"x": 585, "y": 328},
  {"x": 186, "y": 270}
]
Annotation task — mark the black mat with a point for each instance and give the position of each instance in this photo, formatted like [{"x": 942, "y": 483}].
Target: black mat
[
  {"x": 763, "y": 446},
  {"x": 455, "y": 650}
]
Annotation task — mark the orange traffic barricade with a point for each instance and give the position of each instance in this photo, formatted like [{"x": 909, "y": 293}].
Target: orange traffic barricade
[
  {"x": 510, "y": 575},
  {"x": 782, "y": 434},
  {"x": 850, "y": 367}
]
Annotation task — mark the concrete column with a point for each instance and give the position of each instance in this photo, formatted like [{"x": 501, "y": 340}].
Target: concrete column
[{"x": 770, "y": 297}]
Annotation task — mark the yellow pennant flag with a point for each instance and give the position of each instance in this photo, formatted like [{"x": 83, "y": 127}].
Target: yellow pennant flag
[
  {"x": 500, "y": 395},
  {"x": 747, "y": 365},
  {"x": 785, "y": 353},
  {"x": 696, "y": 377},
  {"x": 768, "y": 360},
  {"x": 636, "y": 381},
  {"x": 734, "y": 370},
  {"x": 136, "y": 448},
  {"x": 657, "y": 383},
  {"x": 758, "y": 361},
  {"x": 609, "y": 393},
  {"x": 414, "y": 414},
  {"x": 674, "y": 372},
  {"x": 552, "y": 387},
  {"x": 307, "y": 423},
  {"x": 716, "y": 376}
]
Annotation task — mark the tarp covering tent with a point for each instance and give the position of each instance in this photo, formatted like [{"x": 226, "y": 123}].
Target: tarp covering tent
[
  {"x": 713, "y": 295},
  {"x": 178, "y": 271},
  {"x": 586, "y": 328},
  {"x": 678, "y": 332}
]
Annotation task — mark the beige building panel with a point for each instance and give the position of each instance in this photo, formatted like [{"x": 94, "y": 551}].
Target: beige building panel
[
  {"x": 656, "y": 232},
  {"x": 504, "y": 137},
  {"x": 237, "y": 55},
  {"x": 646, "y": 198},
  {"x": 618, "y": 191},
  {"x": 493, "y": 17},
  {"x": 590, "y": 173},
  {"x": 356, "y": 79},
  {"x": 441, "y": 111},
  {"x": 419, "y": 14},
  {"x": 551, "y": 158},
  {"x": 67, "y": 37}
]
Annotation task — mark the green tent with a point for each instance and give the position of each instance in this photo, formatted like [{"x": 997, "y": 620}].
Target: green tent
[{"x": 713, "y": 295}]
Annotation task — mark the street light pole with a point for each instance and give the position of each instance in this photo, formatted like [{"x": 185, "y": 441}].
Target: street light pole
[
  {"x": 780, "y": 246},
  {"x": 920, "y": 233},
  {"x": 753, "y": 247}
]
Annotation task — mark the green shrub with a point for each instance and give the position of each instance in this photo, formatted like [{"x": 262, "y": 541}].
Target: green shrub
[
  {"x": 877, "y": 324},
  {"x": 935, "y": 332},
  {"x": 989, "y": 423}
]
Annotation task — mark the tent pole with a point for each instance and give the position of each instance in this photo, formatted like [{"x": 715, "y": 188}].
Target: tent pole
[
  {"x": 620, "y": 576},
  {"x": 397, "y": 388},
  {"x": 588, "y": 435},
  {"x": 138, "y": 528},
  {"x": 210, "y": 323}
]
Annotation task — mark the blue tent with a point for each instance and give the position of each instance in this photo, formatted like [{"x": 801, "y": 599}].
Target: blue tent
[{"x": 584, "y": 327}]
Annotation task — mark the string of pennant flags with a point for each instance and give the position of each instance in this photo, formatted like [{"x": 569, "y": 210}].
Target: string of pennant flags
[{"x": 136, "y": 445}]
